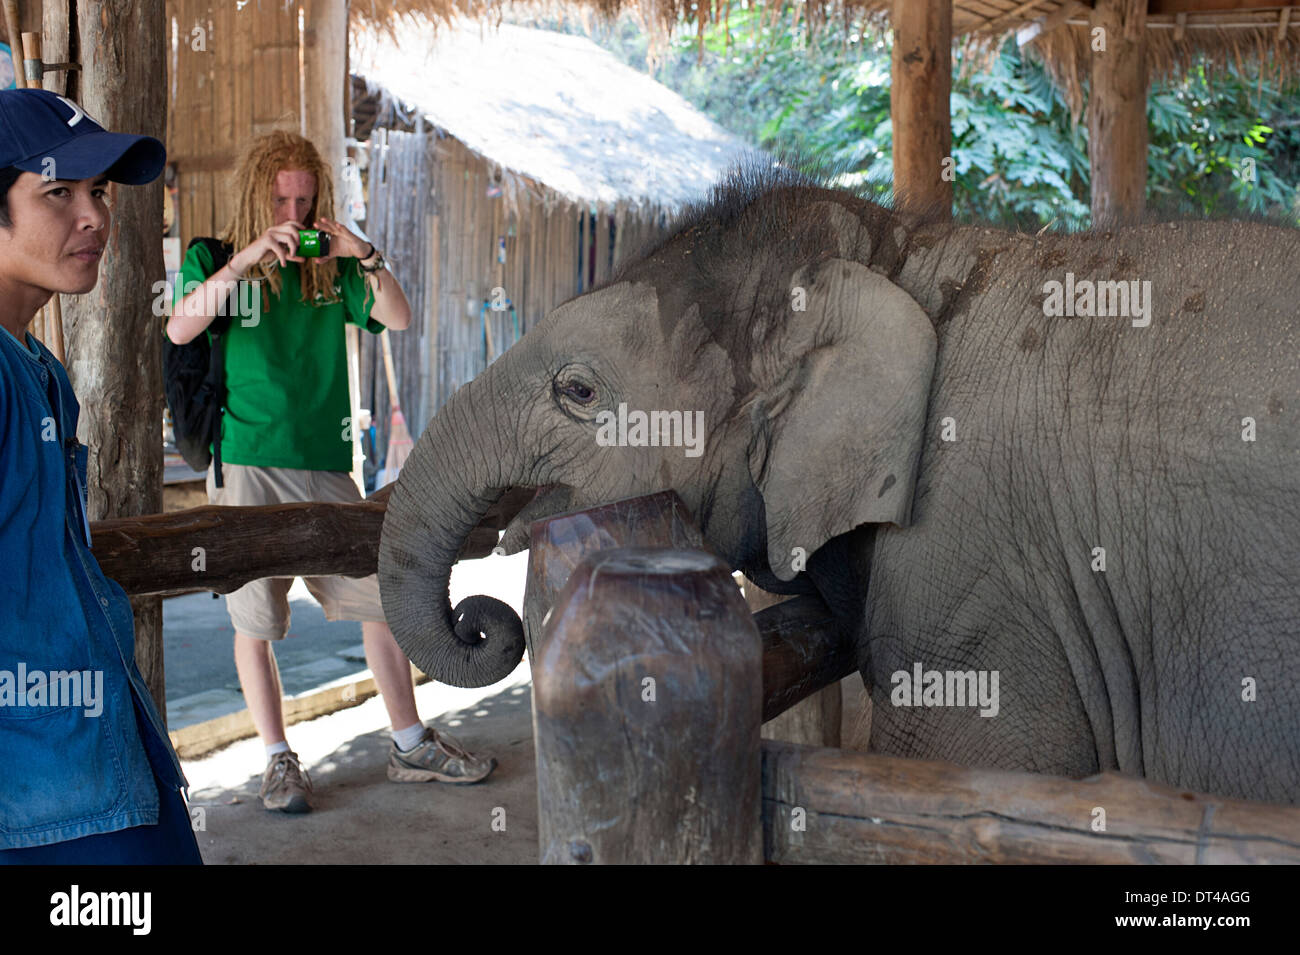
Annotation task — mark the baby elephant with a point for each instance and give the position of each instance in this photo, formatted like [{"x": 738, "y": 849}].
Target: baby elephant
[{"x": 1049, "y": 484}]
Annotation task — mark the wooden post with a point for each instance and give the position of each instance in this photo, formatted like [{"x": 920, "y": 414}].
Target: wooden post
[
  {"x": 111, "y": 333},
  {"x": 1117, "y": 113},
  {"x": 647, "y": 710},
  {"x": 560, "y": 543},
  {"x": 918, "y": 103}
]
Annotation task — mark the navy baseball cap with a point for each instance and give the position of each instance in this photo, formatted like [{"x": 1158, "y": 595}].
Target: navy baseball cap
[{"x": 37, "y": 126}]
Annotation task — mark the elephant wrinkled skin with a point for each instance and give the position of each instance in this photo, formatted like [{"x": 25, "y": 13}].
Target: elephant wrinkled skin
[{"x": 1100, "y": 518}]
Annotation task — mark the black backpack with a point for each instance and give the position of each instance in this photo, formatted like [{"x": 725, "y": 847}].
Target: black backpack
[{"x": 194, "y": 380}]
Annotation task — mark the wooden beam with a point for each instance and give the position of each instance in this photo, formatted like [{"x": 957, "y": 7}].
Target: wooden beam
[
  {"x": 1117, "y": 117},
  {"x": 1164, "y": 7},
  {"x": 1047, "y": 24},
  {"x": 860, "y": 808},
  {"x": 222, "y": 548},
  {"x": 918, "y": 103},
  {"x": 995, "y": 24}
]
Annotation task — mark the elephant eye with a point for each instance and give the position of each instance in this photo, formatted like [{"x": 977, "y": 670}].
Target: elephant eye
[{"x": 578, "y": 392}]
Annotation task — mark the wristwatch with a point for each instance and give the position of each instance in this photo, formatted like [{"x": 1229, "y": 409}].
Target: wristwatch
[{"x": 379, "y": 261}]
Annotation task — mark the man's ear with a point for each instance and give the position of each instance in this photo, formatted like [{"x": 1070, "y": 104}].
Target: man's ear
[{"x": 838, "y": 437}]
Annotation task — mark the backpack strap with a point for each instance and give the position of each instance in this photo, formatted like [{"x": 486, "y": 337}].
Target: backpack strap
[{"x": 220, "y": 253}]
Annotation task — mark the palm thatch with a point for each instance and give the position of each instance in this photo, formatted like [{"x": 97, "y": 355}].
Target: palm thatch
[
  {"x": 1054, "y": 31},
  {"x": 556, "y": 114}
]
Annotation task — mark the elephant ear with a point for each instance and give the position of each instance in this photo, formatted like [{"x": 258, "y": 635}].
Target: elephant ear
[{"x": 838, "y": 433}]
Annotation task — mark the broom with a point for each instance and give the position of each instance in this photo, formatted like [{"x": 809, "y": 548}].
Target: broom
[{"x": 399, "y": 438}]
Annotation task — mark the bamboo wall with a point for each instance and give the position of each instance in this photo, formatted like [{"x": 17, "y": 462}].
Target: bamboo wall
[{"x": 234, "y": 79}]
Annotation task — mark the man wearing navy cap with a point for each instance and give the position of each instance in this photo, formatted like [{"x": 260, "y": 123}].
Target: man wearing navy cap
[{"x": 87, "y": 774}]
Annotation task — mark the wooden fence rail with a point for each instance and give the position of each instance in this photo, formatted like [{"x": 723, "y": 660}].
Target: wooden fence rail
[{"x": 222, "y": 548}]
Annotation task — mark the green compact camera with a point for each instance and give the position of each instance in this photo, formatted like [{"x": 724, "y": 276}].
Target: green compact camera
[{"x": 312, "y": 243}]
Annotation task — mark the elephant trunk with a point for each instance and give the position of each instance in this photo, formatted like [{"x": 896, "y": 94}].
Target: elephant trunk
[{"x": 440, "y": 496}]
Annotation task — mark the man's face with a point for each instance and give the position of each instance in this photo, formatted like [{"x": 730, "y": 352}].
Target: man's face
[
  {"x": 58, "y": 233},
  {"x": 294, "y": 193}
]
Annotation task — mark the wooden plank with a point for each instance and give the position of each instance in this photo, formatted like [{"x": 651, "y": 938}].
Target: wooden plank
[
  {"x": 238, "y": 60},
  {"x": 865, "y": 809}
]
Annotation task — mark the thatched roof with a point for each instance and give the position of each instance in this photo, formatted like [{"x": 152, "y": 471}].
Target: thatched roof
[
  {"x": 1180, "y": 33},
  {"x": 552, "y": 108}
]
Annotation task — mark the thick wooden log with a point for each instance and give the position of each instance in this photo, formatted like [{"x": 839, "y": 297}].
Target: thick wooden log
[
  {"x": 834, "y": 806},
  {"x": 222, "y": 548},
  {"x": 813, "y": 721},
  {"x": 558, "y": 544},
  {"x": 111, "y": 334},
  {"x": 803, "y": 656},
  {"x": 1117, "y": 113},
  {"x": 647, "y": 710},
  {"x": 918, "y": 102}
]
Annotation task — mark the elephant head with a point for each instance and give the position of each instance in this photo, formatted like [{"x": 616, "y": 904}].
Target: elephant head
[{"x": 754, "y": 361}]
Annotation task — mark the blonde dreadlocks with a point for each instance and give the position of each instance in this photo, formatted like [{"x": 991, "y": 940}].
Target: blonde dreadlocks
[{"x": 254, "y": 185}]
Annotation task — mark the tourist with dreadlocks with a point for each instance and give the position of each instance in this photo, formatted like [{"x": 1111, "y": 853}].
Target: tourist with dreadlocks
[{"x": 283, "y": 435}]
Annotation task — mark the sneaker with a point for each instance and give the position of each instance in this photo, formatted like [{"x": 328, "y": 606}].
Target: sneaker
[
  {"x": 286, "y": 785},
  {"x": 437, "y": 757}
]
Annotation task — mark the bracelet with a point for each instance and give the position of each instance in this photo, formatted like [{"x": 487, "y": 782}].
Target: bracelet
[{"x": 379, "y": 265}]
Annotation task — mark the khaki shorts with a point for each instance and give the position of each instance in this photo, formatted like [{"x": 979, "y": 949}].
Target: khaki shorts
[{"x": 261, "y": 608}]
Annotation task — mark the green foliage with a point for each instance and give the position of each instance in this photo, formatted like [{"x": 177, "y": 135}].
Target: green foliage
[{"x": 1221, "y": 146}]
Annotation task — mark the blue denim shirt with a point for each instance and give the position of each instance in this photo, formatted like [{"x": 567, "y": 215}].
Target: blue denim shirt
[{"x": 65, "y": 772}]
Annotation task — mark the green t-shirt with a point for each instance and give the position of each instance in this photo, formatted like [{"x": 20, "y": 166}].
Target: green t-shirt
[{"x": 286, "y": 374}]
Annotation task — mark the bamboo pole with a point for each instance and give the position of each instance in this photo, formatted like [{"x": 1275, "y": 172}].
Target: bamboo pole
[
  {"x": 53, "y": 310},
  {"x": 15, "y": 44}
]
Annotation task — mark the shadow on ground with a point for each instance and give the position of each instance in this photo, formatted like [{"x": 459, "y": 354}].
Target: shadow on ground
[{"x": 361, "y": 817}]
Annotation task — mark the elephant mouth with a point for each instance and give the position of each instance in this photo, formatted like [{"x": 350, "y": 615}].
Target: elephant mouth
[
  {"x": 513, "y": 512},
  {"x": 546, "y": 501}
]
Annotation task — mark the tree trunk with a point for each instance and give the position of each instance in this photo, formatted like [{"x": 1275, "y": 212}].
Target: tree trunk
[
  {"x": 113, "y": 338},
  {"x": 1117, "y": 113}
]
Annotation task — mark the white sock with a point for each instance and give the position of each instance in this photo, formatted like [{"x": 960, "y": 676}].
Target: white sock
[
  {"x": 280, "y": 747},
  {"x": 409, "y": 738}
]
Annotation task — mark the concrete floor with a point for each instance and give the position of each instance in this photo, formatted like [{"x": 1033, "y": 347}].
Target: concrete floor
[{"x": 361, "y": 817}]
